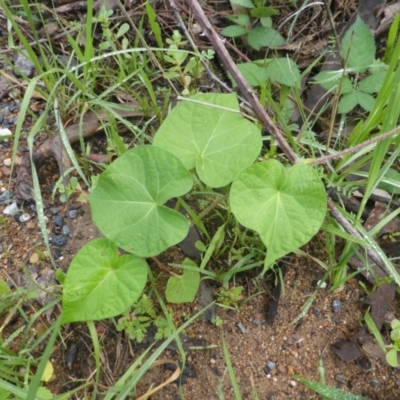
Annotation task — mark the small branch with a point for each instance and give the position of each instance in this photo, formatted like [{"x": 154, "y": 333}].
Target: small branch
[
  {"x": 372, "y": 254},
  {"x": 351, "y": 150},
  {"x": 247, "y": 91},
  {"x": 213, "y": 205},
  {"x": 163, "y": 267}
]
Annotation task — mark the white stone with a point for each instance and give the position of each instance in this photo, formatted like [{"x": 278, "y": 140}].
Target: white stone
[
  {"x": 24, "y": 217},
  {"x": 5, "y": 132},
  {"x": 11, "y": 209}
]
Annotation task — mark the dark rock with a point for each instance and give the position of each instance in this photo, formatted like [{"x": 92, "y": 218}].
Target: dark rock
[
  {"x": 72, "y": 214},
  {"x": 373, "y": 383},
  {"x": 53, "y": 210},
  {"x": 59, "y": 240},
  {"x": 58, "y": 221},
  {"x": 316, "y": 312}
]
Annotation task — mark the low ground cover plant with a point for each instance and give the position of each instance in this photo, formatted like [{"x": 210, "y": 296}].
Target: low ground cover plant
[
  {"x": 207, "y": 145},
  {"x": 208, "y": 136}
]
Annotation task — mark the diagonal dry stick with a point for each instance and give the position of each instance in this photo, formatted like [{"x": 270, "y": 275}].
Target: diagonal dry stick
[{"x": 248, "y": 93}]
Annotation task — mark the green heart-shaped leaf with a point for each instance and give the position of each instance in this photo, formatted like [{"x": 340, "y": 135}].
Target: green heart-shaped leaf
[
  {"x": 210, "y": 135},
  {"x": 127, "y": 203},
  {"x": 99, "y": 284},
  {"x": 286, "y": 208},
  {"x": 183, "y": 288}
]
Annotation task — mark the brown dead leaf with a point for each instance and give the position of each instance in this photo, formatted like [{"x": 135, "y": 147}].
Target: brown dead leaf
[{"x": 379, "y": 212}]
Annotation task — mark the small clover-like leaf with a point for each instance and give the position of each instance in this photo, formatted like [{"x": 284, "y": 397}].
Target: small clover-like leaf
[
  {"x": 99, "y": 284},
  {"x": 211, "y": 135},
  {"x": 286, "y": 208},
  {"x": 128, "y": 201}
]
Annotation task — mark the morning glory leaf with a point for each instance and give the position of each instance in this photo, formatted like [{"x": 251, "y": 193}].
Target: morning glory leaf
[{"x": 128, "y": 201}]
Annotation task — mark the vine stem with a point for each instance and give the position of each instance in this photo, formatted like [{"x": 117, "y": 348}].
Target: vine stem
[
  {"x": 248, "y": 93},
  {"x": 245, "y": 88}
]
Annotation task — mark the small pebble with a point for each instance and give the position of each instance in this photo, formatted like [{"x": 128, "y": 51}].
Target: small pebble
[
  {"x": 299, "y": 345},
  {"x": 25, "y": 217},
  {"x": 269, "y": 367},
  {"x": 53, "y": 210},
  {"x": 5, "y": 171},
  {"x": 316, "y": 312},
  {"x": 7, "y": 162},
  {"x": 292, "y": 384},
  {"x": 59, "y": 221},
  {"x": 34, "y": 259},
  {"x": 241, "y": 327},
  {"x": 24, "y": 65},
  {"x": 72, "y": 213},
  {"x": 336, "y": 306},
  {"x": 373, "y": 383},
  {"x": 4, "y": 131},
  {"x": 7, "y": 195},
  {"x": 340, "y": 379},
  {"x": 256, "y": 321},
  {"x": 33, "y": 208},
  {"x": 11, "y": 209},
  {"x": 282, "y": 369},
  {"x": 66, "y": 230},
  {"x": 59, "y": 240},
  {"x": 323, "y": 285}
]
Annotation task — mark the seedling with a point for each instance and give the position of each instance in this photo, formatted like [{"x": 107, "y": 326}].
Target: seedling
[
  {"x": 136, "y": 321},
  {"x": 392, "y": 354},
  {"x": 67, "y": 189},
  {"x": 358, "y": 54},
  {"x": 217, "y": 321},
  {"x": 110, "y": 37},
  {"x": 181, "y": 67},
  {"x": 230, "y": 296},
  {"x": 245, "y": 22}
]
